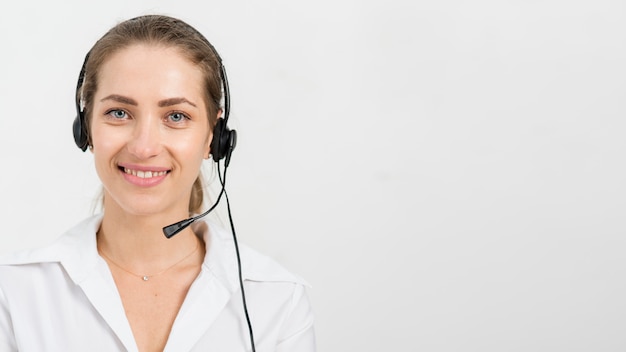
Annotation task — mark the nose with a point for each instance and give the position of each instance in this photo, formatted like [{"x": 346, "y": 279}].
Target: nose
[{"x": 145, "y": 141}]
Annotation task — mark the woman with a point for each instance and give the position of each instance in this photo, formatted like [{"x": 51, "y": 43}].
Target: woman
[{"x": 149, "y": 102}]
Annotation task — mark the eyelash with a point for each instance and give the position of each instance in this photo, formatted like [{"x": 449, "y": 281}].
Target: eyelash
[
  {"x": 112, "y": 113},
  {"x": 184, "y": 116}
]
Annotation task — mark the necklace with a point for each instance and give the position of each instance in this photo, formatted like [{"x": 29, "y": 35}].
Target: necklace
[{"x": 147, "y": 277}]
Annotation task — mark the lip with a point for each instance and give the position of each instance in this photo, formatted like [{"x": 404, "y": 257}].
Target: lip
[{"x": 143, "y": 175}]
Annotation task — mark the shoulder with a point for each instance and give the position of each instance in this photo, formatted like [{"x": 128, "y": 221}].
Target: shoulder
[
  {"x": 259, "y": 267},
  {"x": 276, "y": 297},
  {"x": 73, "y": 250},
  {"x": 255, "y": 266}
]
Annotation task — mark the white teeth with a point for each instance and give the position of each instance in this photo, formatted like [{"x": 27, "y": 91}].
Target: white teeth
[{"x": 144, "y": 174}]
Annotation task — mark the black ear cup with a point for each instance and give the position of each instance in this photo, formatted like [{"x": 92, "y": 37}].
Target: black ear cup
[
  {"x": 80, "y": 135},
  {"x": 223, "y": 143},
  {"x": 79, "y": 128},
  {"x": 232, "y": 142}
]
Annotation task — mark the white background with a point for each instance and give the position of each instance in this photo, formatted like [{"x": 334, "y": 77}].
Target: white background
[{"x": 448, "y": 175}]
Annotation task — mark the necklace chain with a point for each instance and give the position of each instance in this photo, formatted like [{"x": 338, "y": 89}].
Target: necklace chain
[{"x": 147, "y": 277}]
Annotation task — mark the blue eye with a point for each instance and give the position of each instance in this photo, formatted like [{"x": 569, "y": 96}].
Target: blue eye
[
  {"x": 118, "y": 114},
  {"x": 177, "y": 117}
]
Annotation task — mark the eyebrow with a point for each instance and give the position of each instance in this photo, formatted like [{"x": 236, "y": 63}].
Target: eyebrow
[
  {"x": 163, "y": 103},
  {"x": 120, "y": 99},
  {"x": 175, "y": 101}
]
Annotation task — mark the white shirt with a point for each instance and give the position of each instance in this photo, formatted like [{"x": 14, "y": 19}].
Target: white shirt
[{"x": 63, "y": 298}]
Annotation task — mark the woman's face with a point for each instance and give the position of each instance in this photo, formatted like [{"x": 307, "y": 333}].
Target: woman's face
[{"x": 150, "y": 130}]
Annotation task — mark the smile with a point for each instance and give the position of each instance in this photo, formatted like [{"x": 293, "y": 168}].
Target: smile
[{"x": 144, "y": 174}]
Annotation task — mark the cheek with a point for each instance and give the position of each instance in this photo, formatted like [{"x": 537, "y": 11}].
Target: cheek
[
  {"x": 107, "y": 143},
  {"x": 189, "y": 151},
  {"x": 104, "y": 136},
  {"x": 196, "y": 145}
]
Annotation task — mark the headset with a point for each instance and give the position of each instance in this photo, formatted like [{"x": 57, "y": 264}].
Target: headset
[
  {"x": 224, "y": 139},
  {"x": 222, "y": 146}
]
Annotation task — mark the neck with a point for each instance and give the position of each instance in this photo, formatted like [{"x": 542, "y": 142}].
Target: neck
[{"x": 137, "y": 241}]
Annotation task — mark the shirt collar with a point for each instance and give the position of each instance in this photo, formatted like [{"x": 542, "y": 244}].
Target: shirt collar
[{"x": 77, "y": 251}]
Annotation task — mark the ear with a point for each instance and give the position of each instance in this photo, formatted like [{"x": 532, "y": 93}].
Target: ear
[
  {"x": 207, "y": 146},
  {"x": 207, "y": 150}
]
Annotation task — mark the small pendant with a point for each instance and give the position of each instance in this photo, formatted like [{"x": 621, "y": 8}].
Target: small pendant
[{"x": 145, "y": 278}]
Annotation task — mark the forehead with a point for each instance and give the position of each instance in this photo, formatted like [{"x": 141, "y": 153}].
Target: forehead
[{"x": 148, "y": 70}]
